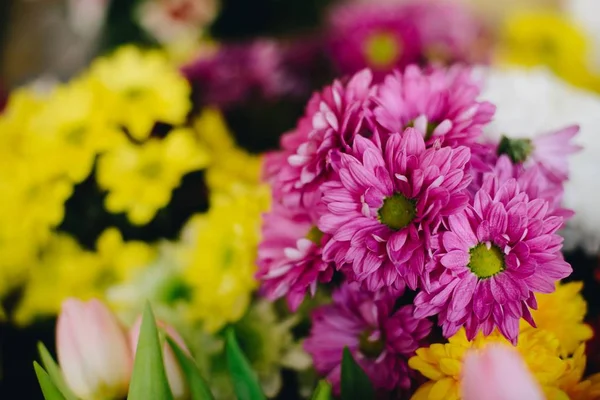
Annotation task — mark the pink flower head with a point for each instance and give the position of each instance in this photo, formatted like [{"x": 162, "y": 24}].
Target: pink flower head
[
  {"x": 380, "y": 338},
  {"x": 387, "y": 203},
  {"x": 377, "y": 36},
  {"x": 442, "y": 103},
  {"x": 289, "y": 256},
  {"x": 549, "y": 151},
  {"x": 495, "y": 255},
  {"x": 387, "y": 35},
  {"x": 533, "y": 178},
  {"x": 333, "y": 118},
  {"x": 498, "y": 372}
]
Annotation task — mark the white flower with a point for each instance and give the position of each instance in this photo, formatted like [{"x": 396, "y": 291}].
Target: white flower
[
  {"x": 170, "y": 21},
  {"x": 533, "y": 101}
]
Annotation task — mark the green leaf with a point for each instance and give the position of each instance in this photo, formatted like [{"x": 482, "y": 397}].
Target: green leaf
[
  {"x": 54, "y": 372},
  {"x": 322, "y": 392},
  {"x": 149, "y": 380},
  {"x": 50, "y": 391},
  {"x": 198, "y": 386},
  {"x": 355, "y": 383},
  {"x": 245, "y": 383}
]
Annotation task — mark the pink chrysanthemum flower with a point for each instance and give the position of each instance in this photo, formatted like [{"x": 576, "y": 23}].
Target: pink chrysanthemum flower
[
  {"x": 441, "y": 103},
  {"x": 387, "y": 203},
  {"x": 333, "y": 118},
  {"x": 380, "y": 338},
  {"x": 289, "y": 256},
  {"x": 550, "y": 152},
  {"x": 376, "y": 36},
  {"x": 388, "y": 35},
  {"x": 496, "y": 254}
]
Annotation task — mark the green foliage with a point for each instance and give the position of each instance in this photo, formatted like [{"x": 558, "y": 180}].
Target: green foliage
[
  {"x": 245, "y": 383},
  {"x": 49, "y": 390},
  {"x": 355, "y": 383},
  {"x": 54, "y": 373},
  {"x": 198, "y": 387},
  {"x": 149, "y": 380}
]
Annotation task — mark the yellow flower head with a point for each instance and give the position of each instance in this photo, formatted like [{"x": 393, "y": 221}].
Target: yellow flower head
[
  {"x": 220, "y": 258},
  {"x": 142, "y": 88},
  {"x": 571, "y": 382},
  {"x": 442, "y": 363},
  {"x": 546, "y": 38},
  {"x": 65, "y": 269},
  {"x": 562, "y": 313},
  {"x": 74, "y": 128},
  {"x": 140, "y": 178}
]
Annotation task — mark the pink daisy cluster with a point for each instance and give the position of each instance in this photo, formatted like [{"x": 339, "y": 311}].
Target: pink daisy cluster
[{"x": 390, "y": 187}]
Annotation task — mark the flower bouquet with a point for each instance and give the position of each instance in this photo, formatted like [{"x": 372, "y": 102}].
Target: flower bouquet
[{"x": 379, "y": 208}]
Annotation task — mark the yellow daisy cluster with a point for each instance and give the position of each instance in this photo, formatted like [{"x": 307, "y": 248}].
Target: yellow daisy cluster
[
  {"x": 65, "y": 269},
  {"x": 102, "y": 121},
  {"x": 551, "y": 39},
  {"x": 554, "y": 352}
]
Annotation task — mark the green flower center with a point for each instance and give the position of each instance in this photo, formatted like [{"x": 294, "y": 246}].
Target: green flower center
[
  {"x": 76, "y": 135},
  {"x": 315, "y": 235},
  {"x": 368, "y": 347},
  {"x": 382, "y": 49},
  {"x": 151, "y": 170},
  {"x": 486, "y": 260},
  {"x": 516, "y": 149},
  {"x": 397, "y": 211},
  {"x": 428, "y": 131}
]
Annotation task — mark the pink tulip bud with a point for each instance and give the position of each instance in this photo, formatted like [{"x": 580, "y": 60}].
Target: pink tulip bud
[
  {"x": 498, "y": 373},
  {"x": 177, "y": 381},
  {"x": 93, "y": 350}
]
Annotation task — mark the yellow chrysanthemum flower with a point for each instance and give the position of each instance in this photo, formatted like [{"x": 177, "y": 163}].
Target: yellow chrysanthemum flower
[
  {"x": 73, "y": 126},
  {"x": 140, "y": 178},
  {"x": 571, "y": 382},
  {"x": 442, "y": 363},
  {"x": 562, "y": 313},
  {"x": 547, "y": 38},
  {"x": 220, "y": 257},
  {"x": 142, "y": 88},
  {"x": 212, "y": 131},
  {"x": 65, "y": 269}
]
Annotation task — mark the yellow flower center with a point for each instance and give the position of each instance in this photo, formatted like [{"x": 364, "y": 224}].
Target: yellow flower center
[
  {"x": 382, "y": 49},
  {"x": 315, "y": 235},
  {"x": 368, "y": 347},
  {"x": 151, "y": 170},
  {"x": 75, "y": 136},
  {"x": 397, "y": 211},
  {"x": 486, "y": 260}
]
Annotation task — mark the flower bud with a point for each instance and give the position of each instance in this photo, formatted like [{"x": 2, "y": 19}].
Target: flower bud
[
  {"x": 177, "y": 381},
  {"x": 498, "y": 372},
  {"x": 93, "y": 351}
]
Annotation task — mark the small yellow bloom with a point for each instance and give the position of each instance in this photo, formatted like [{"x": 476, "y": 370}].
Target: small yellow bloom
[
  {"x": 142, "y": 88},
  {"x": 571, "y": 381},
  {"x": 220, "y": 258},
  {"x": 65, "y": 269},
  {"x": 562, "y": 313},
  {"x": 442, "y": 363},
  {"x": 547, "y": 38},
  {"x": 73, "y": 128},
  {"x": 140, "y": 178}
]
